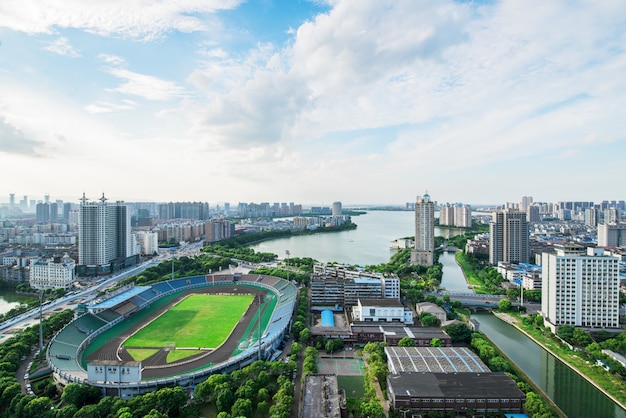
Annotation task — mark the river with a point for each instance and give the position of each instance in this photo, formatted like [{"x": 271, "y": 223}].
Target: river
[
  {"x": 576, "y": 397},
  {"x": 366, "y": 245},
  {"x": 369, "y": 244},
  {"x": 9, "y": 300}
]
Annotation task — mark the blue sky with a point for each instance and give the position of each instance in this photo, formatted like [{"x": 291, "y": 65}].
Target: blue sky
[{"x": 313, "y": 101}]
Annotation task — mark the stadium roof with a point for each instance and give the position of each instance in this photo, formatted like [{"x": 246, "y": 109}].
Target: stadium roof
[{"x": 117, "y": 299}]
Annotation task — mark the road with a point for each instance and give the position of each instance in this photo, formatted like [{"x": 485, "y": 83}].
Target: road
[{"x": 68, "y": 301}]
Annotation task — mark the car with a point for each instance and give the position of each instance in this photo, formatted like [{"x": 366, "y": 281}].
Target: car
[{"x": 26, "y": 376}]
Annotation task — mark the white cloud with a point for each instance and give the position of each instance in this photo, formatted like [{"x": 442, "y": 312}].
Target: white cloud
[
  {"x": 62, "y": 46},
  {"x": 112, "y": 60},
  {"x": 107, "y": 107},
  {"x": 146, "y": 86},
  {"x": 126, "y": 18}
]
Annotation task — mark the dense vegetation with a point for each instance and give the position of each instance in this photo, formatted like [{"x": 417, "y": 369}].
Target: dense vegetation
[{"x": 375, "y": 374}]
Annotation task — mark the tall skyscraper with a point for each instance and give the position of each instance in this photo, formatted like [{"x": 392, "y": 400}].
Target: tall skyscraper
[
  {"x": 337, "y": 209},
  {"x": 580, "y": 288},
  {"x": 103, "y": 232},
  {"x": 508, "y": 237},
  {"x": 424, "y": 231}
]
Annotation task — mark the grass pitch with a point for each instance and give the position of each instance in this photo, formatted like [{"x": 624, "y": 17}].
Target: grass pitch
[{"x": 198, "y": 321}]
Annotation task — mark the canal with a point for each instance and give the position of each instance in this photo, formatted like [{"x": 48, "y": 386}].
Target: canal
[{"x": 576, "y": 397}]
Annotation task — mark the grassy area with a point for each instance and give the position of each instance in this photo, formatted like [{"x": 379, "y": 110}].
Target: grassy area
[
  {"x": 176, "y": 355},
  {"x": 610, "y": 383},
  {"x": 197, "y": 321},
  {"x": 140, "y": 354},
  {"x": 353, "y": 385},
  {"x": 469, "y": 273}
]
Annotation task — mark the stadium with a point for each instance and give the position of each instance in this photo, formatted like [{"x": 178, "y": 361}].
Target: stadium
[{"x": 176, "y": 332}]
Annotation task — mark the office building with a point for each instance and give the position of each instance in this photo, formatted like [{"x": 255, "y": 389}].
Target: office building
[
  {"x": 508, "y": 237},
  {"x": 103, "y": 232},
  {"x": 580, "y": 288},
  {"x": 611, "y": 235},
  {"x": 52, "y": 273},
  {"x": 424, "y": 232}
]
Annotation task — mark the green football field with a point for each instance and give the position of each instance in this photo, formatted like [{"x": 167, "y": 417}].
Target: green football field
[{"x": 197, "y": 321}]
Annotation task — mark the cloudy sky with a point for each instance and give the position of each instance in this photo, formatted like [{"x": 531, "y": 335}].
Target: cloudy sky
[{"x": 313, "y": 101}]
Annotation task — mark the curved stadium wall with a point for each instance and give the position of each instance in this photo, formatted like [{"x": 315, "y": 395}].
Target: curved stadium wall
[{"x": 64, "y": 354}]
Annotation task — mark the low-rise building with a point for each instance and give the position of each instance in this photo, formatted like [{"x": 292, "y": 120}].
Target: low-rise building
[
  {"x": 381, "y": 310},
  {"x": 433, "y": 309},
  {"x": 52, "y": 274}
]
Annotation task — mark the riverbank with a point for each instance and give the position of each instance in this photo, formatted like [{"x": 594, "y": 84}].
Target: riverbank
[{"x": 514, "y": 321}]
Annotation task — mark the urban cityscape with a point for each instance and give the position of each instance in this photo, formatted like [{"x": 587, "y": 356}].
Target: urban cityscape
[
  {"x": 566, "y": 257},
  {"x": 312, "y": 209}
]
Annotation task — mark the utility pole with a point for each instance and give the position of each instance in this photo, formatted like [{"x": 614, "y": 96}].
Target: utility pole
[
  {"x": 259, "y": 356},
  {"x": 40, "y": 323}
]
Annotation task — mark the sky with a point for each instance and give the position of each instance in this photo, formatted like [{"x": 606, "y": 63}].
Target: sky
[{"x": 364, "y": 102}]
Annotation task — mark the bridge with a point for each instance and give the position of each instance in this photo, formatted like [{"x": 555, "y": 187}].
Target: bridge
[{"x": 473, "y": 300}]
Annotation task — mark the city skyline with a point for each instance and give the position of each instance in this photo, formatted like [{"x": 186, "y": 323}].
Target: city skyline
[{"x": 367, "y": 102}]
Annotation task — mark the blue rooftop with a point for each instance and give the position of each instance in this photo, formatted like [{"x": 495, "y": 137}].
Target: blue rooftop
[{"x": 117, "y": 299}]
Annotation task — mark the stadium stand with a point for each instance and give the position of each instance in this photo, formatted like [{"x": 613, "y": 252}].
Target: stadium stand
[{"x": 65, "y": 349}]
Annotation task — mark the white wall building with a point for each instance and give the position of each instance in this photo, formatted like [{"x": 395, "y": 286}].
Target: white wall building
[
  {"x": 381, "y": 310},
  {"x": 611, "y": 235},
  {"x": 48, "y": 274},
  {"x": 148, "y": 242},
  {"x": 580, "y": 288}
]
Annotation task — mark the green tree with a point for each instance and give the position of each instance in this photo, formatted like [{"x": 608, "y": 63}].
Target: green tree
[
  {"x": 79, "y": 394},
  {"x": 305, "y": 336},
  {"x": 242, "y": 408},
  {"x": 296, "y": 349},
  {"x": 436, "y": 342},
  {"x": 406, "y": 342},
  {"x": 505, "y": 305},
  {"x": 459, "y": 332},
  {"x": 429, "y": 320}
]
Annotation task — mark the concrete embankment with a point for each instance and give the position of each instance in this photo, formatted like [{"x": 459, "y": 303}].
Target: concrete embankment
[{"x": 514, "y": 322}]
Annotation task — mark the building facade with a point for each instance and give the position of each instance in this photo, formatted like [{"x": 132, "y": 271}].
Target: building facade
[
  {"x": 611, "y": 235},
  {"x": 104, "y": 232},
  {"x": 580, "y": 288},
  {"x": 424, "y": 231},
  {"x": 52, "y": 274},
  {"x": 508, "y": 237}
]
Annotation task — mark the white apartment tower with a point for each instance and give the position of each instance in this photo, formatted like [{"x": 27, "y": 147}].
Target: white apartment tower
[
  {"x": 508, "y": 237},
  {"x": 104, "y": 232},
  {"x": 580, "y": 288},
  {"x": 462, "y": 216},
  {"x": 424, "y": 231}
]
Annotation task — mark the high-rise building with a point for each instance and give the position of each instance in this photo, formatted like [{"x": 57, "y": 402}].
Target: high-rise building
[
  {"x": 526, "y": 202},
  {"x": 462, "y": 215},
  {"x": 446, "y": 214},
  {"x": 424, "y": 231},
  {"x": 611, "y": 235},
  {"x": 580, "y": 288},
  {"x": 103, "y": 232},
  {"x": 532, "y": 213},
  {"x": 218, "y": 229},
  {"x": 591, "y": 217},
  {"x": 508, "y": 237},
  {"x": 337, "y": 209}
]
